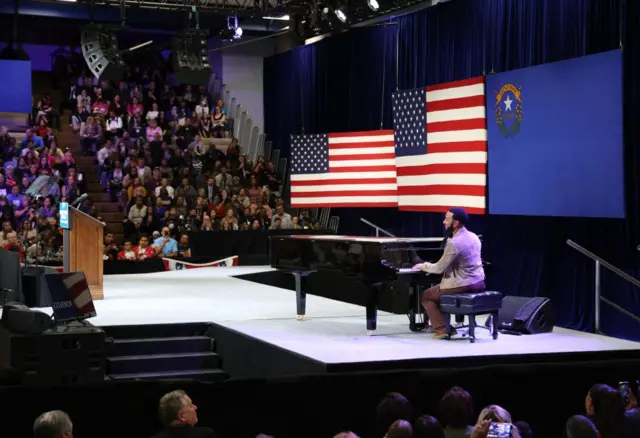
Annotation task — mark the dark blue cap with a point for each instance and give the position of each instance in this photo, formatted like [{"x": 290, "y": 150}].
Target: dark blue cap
[{"x": 460, "y": 215}]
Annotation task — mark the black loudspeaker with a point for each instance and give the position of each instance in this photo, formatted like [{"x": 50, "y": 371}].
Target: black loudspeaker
[
  {"x": 100, "y": 51},
  {"x": 190, "y": 57},
  {"x": 18, "y": 318},
  {"x": 69, "y": 354},
  {"x": 35, "y": 289},
  {"x": 528, "y": 316}
]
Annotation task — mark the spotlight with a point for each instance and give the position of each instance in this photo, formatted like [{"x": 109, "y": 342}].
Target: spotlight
[
  {"x": 232, "y": 30},
  {"x": 373, "y": 5},
  {"x": 340, "y": 14}
]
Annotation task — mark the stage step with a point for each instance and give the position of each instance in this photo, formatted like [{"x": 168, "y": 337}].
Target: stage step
[
  {"x": 182, "y": 344},
  {"x": 163, "y": 352},
  {"x": 201, "y": 375},
  {"x": 149, "y": 363}
]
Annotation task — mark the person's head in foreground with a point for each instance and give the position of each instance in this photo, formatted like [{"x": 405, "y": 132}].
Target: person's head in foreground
[
  {"x": 580, "y": 426},
  {"x": 494, "y": 414},
  {"x": 176, "y": 409},
  {"x": 606, "y": 408},
  {"x": 53, "y": 424}
]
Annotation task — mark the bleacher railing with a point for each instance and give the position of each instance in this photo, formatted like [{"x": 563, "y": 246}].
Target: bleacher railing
[
  {"x": 251, "y": 140},
  {"x": 377, "y": 228},
  {"x": 599, "y": 264}
]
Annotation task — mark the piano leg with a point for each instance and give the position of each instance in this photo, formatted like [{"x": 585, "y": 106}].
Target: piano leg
[
  {"x": 301, "y": 295},
  {"x": 372, "y": 309},
  {"x": 415, "y": 308}
]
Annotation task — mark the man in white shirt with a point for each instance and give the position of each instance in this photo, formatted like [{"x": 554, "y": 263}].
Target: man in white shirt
[
  {"x": 285, "y": 218},
  {"x": 114, "y": 125},
  {"x": 102, "y": 156},
  {"x": 164, "y": 183}
]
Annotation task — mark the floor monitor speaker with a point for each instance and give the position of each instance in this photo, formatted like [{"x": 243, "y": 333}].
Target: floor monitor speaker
[
  {"x": 524, "y": 315},
  {"x": 18, "y": 318}
]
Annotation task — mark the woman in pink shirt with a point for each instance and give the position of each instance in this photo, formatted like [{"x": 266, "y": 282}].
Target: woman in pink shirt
[
  {"x": 135, "y": 107},
  {"x": 152, "y": 130}
]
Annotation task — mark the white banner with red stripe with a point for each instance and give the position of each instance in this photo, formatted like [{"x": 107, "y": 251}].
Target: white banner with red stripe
[{"x": 179, "y": 265}]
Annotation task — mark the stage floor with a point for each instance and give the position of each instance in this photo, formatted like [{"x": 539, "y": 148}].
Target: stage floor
[{"x": 333, "y": 333}]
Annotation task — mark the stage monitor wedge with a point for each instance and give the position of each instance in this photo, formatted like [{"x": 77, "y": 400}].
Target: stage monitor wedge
[
  {"x": 100, "y": 52},
  {"x": 190, "y": 57},
  {"x": 525, "y": 315}
]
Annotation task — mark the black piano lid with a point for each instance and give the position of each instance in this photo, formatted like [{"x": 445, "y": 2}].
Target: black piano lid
[{"x": 363, "y": 239}]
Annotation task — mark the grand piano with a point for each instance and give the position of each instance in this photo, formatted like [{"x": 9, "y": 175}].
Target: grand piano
[{"x": 375, "y": 261}]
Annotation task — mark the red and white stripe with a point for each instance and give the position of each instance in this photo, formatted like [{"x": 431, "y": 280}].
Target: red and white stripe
[
  {"x": 453, "y": 172},
  {"x": 362, "y": 173},
  {"x": 178, "y": 265},
  {"x": 79, "y": 292}
]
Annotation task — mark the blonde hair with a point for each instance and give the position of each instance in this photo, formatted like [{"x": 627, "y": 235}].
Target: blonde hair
[{"x": 498, "y": 414}]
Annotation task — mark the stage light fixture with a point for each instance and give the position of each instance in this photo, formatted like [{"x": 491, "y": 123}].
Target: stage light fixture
[
  {"x": 340, "y": 13},
  {"x": 373, "y": 5}
]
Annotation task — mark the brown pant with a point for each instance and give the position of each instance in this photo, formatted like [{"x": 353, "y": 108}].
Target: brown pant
[{"x": 431, "y": 301}]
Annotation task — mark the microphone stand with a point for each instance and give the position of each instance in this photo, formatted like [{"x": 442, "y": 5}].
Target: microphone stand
[{"x": 37, "y": 218}]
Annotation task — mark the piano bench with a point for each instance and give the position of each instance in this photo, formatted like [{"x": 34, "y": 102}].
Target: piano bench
[{"x": 472, "y": 304}]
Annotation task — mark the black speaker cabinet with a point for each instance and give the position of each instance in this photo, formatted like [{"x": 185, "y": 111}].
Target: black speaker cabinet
[
  {"x": 190, "y": 57},
  {"x": 100, "y": 51},
  {"x": 63, "y": 355},
  {"x": 528, "y": 316}
]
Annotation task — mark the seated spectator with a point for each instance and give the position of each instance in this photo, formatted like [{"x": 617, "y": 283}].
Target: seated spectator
[
  {"x": 113, "y": 126},
  {"x": 144, "y": 251},
  {"x": 165, "y": 245},
  {"x": 110, "y": 247},
  {"x": 456, "y": 412},
  {"x": 219, "y": 122},
  {"x": 393, "y": 406},
  {"x": 496, "y": 414},
  {"x": 78, "y": 117},
  {"x": 605, "y": 407},
  {"x": 13, "y": 244},
  {"x": 179, "y": 417},
  {"x": 90, "y": 136},
  {"x": 134, "y": 219},
  {"x": 127, "y": 252},
  {"x": 400, "y": 429},
  {"x": 580, "y": 426},
  {"x": 184, "y": 250},
  {"x": 524, "y": 428},
  {"x": 53, "y": 424},
  {"x": 427, "y": 426}
]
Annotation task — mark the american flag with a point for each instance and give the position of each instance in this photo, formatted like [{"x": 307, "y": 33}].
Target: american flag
[
  {"x": 441, "y": 146},
  {"x": 351, "y": 169}
]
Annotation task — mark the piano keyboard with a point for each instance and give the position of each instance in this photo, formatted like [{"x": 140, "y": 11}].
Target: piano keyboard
[{"x": 403, "y": 271}]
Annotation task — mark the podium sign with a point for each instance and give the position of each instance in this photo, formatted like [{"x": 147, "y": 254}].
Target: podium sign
[{"x": 65, "y": 219}]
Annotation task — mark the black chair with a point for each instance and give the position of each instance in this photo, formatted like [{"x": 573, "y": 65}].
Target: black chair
[{"x": 472, "y": 304}]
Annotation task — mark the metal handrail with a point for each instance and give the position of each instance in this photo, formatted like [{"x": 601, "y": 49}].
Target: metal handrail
[
  {"x": 599, "y": 262},
  {"x": 377, "y": 228}
]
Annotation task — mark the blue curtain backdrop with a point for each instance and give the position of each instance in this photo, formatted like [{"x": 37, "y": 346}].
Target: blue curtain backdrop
[{"x": 336, "y": 85}]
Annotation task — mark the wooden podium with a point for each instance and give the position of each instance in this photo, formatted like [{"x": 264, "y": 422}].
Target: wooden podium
[{"x": 83, "y": 247}]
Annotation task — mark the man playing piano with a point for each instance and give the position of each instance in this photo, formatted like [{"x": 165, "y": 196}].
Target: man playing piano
[{"x": 460, "y": 266}]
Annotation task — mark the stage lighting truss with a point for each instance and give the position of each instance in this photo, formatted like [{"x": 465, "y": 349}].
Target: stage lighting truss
[{"x": 203, "y": 5}]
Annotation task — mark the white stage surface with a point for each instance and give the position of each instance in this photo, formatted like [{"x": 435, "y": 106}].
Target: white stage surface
[{"x": 334, "y": 332}]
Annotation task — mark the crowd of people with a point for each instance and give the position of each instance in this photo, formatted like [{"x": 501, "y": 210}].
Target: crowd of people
[
  {"x": 28, "y": 204},
  {"x": 608, "y": 413},
  {"x": 164, "y": 152},
  {"x": 157, "y": 155}
]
